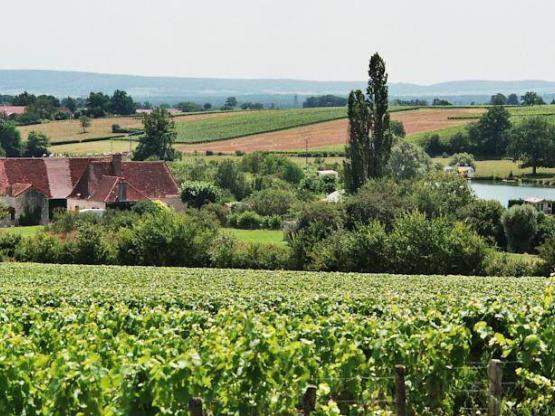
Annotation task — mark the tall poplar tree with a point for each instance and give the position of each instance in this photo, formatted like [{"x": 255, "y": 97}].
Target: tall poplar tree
[{"x": 370, "y": 139}]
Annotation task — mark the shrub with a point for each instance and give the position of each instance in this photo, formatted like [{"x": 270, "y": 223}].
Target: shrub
[
  {"x": 419, "y": 245},
  {"x": 463, "y": 159},
  {"x": 502, "y": 264},
  {"x": 408, "y": 161},
  {"x": 547, "y": 254},
  {"x": 272, "y": 201},
  {"x": 381, "y": 201},
  {"x": 146, "y": 207},
  {"x": 521, "y": 225},
  {"x": 227, "y": 252},
  {"x": 219, "y": 212},
  {"x": 316, "y": 222},
  {"x": 168, "y": 239},
  {"x": 9, "y": 242},
  {"x": 442, "y": 194},
  {"x": 247, "y": 220},
  {"x": 197, "y": 194},
  {"x": 93, "y": 246},
  {"x": 228, "y": 176},
  {"x": 485, "y": 218},
  {"x": 361, "y": 250},
  {"x": 42, "y": 248},
  {"x": 116, "y": 128},
  {"x": 30, "y": 216},
  {"x": 546, "y": 229}
]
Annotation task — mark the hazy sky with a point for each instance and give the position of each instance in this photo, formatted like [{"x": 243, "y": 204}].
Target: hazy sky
[{"x": 422, "y": 41}]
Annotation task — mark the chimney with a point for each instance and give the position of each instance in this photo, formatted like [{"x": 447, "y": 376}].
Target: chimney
[
  {"x": 116, "y": 164},
  {"x": 122, "y": 191}
]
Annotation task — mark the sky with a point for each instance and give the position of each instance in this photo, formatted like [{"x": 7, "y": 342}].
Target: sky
[{"x": 422, "y": 41}]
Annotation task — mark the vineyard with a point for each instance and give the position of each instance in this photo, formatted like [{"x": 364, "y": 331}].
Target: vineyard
[
  {"x": 92, "y": 340},
  {"x": 252, "y": 122}
]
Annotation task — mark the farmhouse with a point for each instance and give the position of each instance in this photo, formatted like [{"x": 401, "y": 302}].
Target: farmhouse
[
  {"x": 12, "y": 109},
  {"x": 34, "y": 187}
]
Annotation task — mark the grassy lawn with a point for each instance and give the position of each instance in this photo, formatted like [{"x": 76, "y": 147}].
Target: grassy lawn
[
  {"x": 257, "y": 236},
  {"x": 502, "y": 169},
  {"x": 23, "y": 231}
]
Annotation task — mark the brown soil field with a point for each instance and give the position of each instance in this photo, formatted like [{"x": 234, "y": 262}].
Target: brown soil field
[{"x": 331, "y": 132}]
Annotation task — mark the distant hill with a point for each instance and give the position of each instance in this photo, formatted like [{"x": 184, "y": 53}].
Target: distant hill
[{"x": 214, "y": 90}]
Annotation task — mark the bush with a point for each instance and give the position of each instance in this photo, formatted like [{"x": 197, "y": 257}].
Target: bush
[
  {"x": 228, "y": 176},
  {"x": 316, "y": 222},
  {"x": 227, "y": 252},
  {"x": 93, "y": 246},
  {"x": 408, "y": 161},
  {"x": 463, "y": 159},
  {"x": 116, "y": 128},
  {"x": 546, "y": 230},
  {"x": 485, "y": 218},
  {"x": 9, "y": 242},
  {"x": 547, "y": 254},
  {"x": 197, "y": 194},
  {"x": 441, "y": 194},
  {"x": 168, "y": 239},
  {"x": 520, "y": 223},
  {"x": 247, "y": 220},
  {"x": 380, "y": 200},
  {"x": 361, "y": 250},
  {"x": 272, "y": 201},
  {"x": 419, "y": 245},
  {"x": 502, "y": 264},
  {"x": 43, "y": 248}
]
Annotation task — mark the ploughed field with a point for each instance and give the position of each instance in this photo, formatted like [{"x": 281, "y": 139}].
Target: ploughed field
[
  {"x": 336, "y": 132},
  {"x": 132, "y": 340}
]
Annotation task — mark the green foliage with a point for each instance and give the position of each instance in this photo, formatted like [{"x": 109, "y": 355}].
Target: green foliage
[
  {"x": 532, "y": 98},
  {"x": 533, "y": 143},
  {"x": 397, "y": 128},
  {"x": 10, "y": 139},
  {"x": 121, "y": 103},
  {"x": 272, "y": 201},
  {"x": 229, "y": 176},
  {"x": 85, "y": 122},
  {"x": 521, "y": 225},
  {"x": 98, "y": 104},
  {"x": 433, "y": 145},
  {"x": 361, "y": 250},
  {"x": 498, "y": 99},
  {"x": 370, "y": 138},
  {"x": 325, "y": 101},
  {"x": 490, "y": 135},
  {"x": 9, "y": 242},
  {"x": 462, "y": 159},
  {"x": 379, "y": 200},
  {"x": 168, "y": 239},
  {"x": 197, "y": 194},
  {"x": 442, "y": 194},
  {"x": 418, "y": 245},
  {"x": 246, "y": 220},
  {"x": 140, "y": 341},
  {"x": 503, "y": 264},
  {"x": 317, "y": 221},
  {"x": 408, "y": 161},
  {"x": 159, "y": 137},
  {"x": 36, "y": 145},
  {"x": 261, "y": 163},
  {"x": 188, "y": 107},
  {"x": 484, "y": 217},
  {"x": 92, "y": 246},
  {"x": 227, "y": 252}
]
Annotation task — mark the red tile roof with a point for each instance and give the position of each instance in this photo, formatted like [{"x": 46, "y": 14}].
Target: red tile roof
[
  {"x": 87, "y": 178},
  {"x": 12, "y": 109}
]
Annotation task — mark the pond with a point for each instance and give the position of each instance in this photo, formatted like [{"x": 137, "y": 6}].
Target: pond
[{"x": 504, "y": 191}]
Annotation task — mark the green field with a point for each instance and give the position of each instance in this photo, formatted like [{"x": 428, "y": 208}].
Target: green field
[
  {"x": 247, "y": 123},
  {"x": 94, "y": 340},
  {"x": 502, "y": 169},
  {"x": 257, "y": 236},
  {"x": 23, "y": 231}
]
